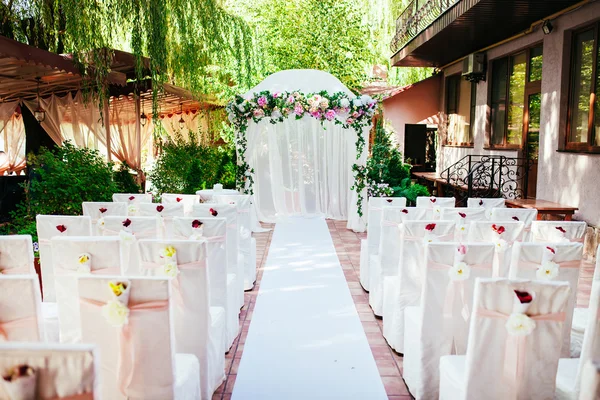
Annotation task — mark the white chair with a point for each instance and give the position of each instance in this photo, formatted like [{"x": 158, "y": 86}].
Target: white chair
[
  {"x": 385, "y": 263},
  {"x": 49, "y": 226},
  {"x": 246, "y": 243},
  {"x": 525, "y": 215},
  {"x": 20, "y": 309},
  {"x": 188, "y": 201},
  {"x": 590, "y": 381},
  {"x": 130, "y": 230},
  {"x": 550, "y": 262},
  {"x": 486, "y": 203},
  {"x": 98, "y": 210},
  {"x": 199, "y": 321},
  {"x": 137, "y": 354},
  {"x": 234, "y": 259},
  {"x": 404, "y": 288},
  {"x": 440, "y": 326},
  {"x": 462, "y": 217},
  {"x": 581, "y": 315},
  {"x": 165, "y": 212},
  {"x": 214, "y": 231},
  {"x": 570, "y": 370},
  {"x": 503, "y": 235},
  {"x": 130, "y": 198},
  {"x": 16, "y": 255},
  {"x": 490, "y": 369},
  {"x": 370, "y": 246},
  {"x": 104, "y": 257},
  {"x": 56, "y": 371},
  {"x": 558, "y": 231},
  {"x": 436, "y": 204}
]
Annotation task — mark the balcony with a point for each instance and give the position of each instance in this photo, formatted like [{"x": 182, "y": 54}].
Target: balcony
[{"x": 433, "y": 33}]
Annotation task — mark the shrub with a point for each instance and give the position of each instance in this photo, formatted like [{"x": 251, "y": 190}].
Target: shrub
[
  {"x": 124, "y": 180},
  {"x": 185, "y": 166}
]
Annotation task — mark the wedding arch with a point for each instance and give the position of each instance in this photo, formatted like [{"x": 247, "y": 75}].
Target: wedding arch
[{"x": 300, "y": 140}]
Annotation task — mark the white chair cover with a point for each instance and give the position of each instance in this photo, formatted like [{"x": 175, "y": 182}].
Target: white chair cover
[
  {"x": 106, "y": 258},
  {"x": 488, "y": 369},
  {"x": 98, "y": 210},
  {"x": 138, "y": 360},
  {"x": 590, "y": 381},
  {"x": 581, "y": 315},
  {"x": 436, "y": 204},
  {"x": 527, "y": 263},
  {"x": 503, "y": 235},
  {"x": 570, "y": 370},
  {"x": 234, "y": 259},
  {"x": 404, "y": 289},
  {"x": 68, "y": 372},
  {"x": 16, "y": 255},
  {"x": 374, "y": 215},
  {"x": 214, "y": 230},
  {"x": 558, "y": 231},
  {"x": 188, "y": 201},
  {"x": 165, "y": 212},
  {"x": 199, "y": 323},
  {"x": 486, "y": 203},
  {"x": 20, "y": 309},
  {"x": 385, "y": 263},
  {"x": 245, "y": 241},
  {"x": 441, "y": 325},
  {"x": 525, "y": 215},
  {"x": 49, "y": 226},
  {"x": 462, "y": 217},
  {"x": 132, "y": 198}
]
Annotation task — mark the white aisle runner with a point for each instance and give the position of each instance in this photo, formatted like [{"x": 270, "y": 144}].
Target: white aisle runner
[{"x": 306, "y": 340}]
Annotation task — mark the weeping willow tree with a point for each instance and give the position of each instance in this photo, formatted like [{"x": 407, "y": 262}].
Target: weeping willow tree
[{"x": 185, "y": 40}]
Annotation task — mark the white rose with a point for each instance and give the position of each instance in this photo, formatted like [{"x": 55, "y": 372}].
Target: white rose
[
  {"x": 170, "y": 269},
  {"x": 100, "y": 224},
  {"x": 84, "y": 263},
  {"x": 459, "y": 271},
  {"x": 462, "y": 228},
  {"x": 519, "y": 324},
  {"x": 547, "y": 271},
  {"x": 126, "y": 237},
  {"x": 366, "y": 99},
  {"x": 116, "y": 313},
  {"x": 196, "y": 236},
  {"x": 345, "y": 103},
  {"x": 356, "y": 102},
  {"x": 437, "y": 209},
  {"x": 245, "y": 233},
  {"x": 428, "y": 238},
  {"x": 132, "y": 208},
  {"x": 324, "y": 104},
  {"x": 500, "y": 245}
]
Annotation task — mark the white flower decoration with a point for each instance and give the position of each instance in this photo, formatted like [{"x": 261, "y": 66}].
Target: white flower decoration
[
  {"x": 428, "y": 238},
  {"x": 547, "y": 271},
  {"x": 460, "y": 271},
  {"x": 245, "y": 233},
  {"x": 196, "y": 236},
  {"x": 170, "y": 269},
  {"x": 126, "y": 236},
  {"x": 168, "y": 252},
  {"x": 519, "y": 324},
  {"x": 100, "y": 223},
  {"x": 116, "y": 313},
  {"x": 132, "y": 208},
  {"x": 500, "y": 245},
  {"x": 344, "y": 103},
  {"x": 462, "y": 228},
  {"x": 84, "y": 263},
  {"x": 437, "y": 209}
]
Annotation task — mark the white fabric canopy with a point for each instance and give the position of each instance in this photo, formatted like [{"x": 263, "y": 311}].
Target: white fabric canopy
[
  {"x": 12, "y": 138},
  {"x": 303, "y": 167}
]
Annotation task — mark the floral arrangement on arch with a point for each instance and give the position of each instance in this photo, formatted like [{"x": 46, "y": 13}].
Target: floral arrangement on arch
[{"x": 338, "y": 108}]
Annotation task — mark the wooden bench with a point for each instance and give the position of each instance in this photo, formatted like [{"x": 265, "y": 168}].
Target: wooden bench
[{"x": 544, "y": 207}]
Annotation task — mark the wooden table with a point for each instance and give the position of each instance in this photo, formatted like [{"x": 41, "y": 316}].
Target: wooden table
[{"x": 543, "y": 207}]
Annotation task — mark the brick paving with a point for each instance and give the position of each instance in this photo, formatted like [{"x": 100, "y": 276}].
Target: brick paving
[{"x": 347, "y": 246}]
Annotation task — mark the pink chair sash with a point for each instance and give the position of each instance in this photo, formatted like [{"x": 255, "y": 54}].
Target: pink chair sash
[
  {"x": 564, "y": 264},
  {"x": 210, "y": 239},
  {"x": 101, "y": 271},
  {"x": 30, "y": 321},
  {"x": 436, "y": 237},
  {"x": 82, "y": 396},
  {"x": 386, "y": 222},
  {"x": 127, "y": 358},
  {"x": 14, "y": 271},
  {"x": 137, "y": 235},
  {"x": 514, "y": 356}
]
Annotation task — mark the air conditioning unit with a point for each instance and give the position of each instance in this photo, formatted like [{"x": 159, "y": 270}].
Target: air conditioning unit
[{"x": 474, "y": 67}]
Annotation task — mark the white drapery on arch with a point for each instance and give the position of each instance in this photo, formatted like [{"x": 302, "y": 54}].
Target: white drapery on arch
[{"x": 303, "y": 167}]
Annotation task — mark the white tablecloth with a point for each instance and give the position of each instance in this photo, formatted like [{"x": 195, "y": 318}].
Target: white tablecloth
[{"x": 206, "y": 196}]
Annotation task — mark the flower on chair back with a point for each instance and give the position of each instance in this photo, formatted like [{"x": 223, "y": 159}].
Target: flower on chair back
[
  {"x": 132, "y": 209},
  {"x": 102, "y": 210},
  {"x": 115, "y": 311},
  {"x": 61, "y": 228},
  {"x": 178, "y": 199},
  {"x": 515, "y": 218},
  {"x": 126, "y": 223},
  {"x": 462, "y": 214},
  {"x": 84, "y": 263},
  {"x": 561, "y": 229},
  {"x": 196, "y": 224},
  {"x": 131, "y": 198},
  {"x": 460, "y": 271},
  {"x": 404, "y": 211},
  {"x": 519, "y": 324},
  {"x": 213, "y": 212},
  {"x": 160, "y": 208}
]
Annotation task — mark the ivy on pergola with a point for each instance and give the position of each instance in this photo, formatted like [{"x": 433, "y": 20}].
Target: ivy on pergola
[{"x": 184, "y": 39}]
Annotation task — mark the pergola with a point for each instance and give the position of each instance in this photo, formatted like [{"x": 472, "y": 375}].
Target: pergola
[{"x": 30, "y": 76}]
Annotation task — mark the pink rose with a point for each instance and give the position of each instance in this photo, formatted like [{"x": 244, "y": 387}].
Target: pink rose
[
  {"x": 277, "y": 95},
  {"x": 330, "y": 115},
  {"x": 290, "y": 99},
  {"x": 298, "y": 109},
  {"x": 262, "y": 101},
  {"x": 349, "y": 121},
  {"x": 355, "y": 114},
  {"x": 259, "y": 113}
]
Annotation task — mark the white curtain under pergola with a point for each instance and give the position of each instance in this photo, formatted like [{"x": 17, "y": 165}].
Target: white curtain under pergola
[
  {"x": 12, "y": 138},
  {"x": 303, "y": 167}
]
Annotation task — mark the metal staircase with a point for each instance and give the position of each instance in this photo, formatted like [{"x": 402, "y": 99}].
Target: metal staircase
[{"x": 487, "y": 176}]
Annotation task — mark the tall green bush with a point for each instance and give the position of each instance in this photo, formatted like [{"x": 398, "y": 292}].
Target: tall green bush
[
  {"x": 185, "y": 166},
  {"x": 124, "y": 180}
]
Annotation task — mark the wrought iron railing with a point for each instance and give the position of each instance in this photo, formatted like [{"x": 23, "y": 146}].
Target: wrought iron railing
[
  {"x": 488, "y": 176},
  {"x": 417, "y": 16}
]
